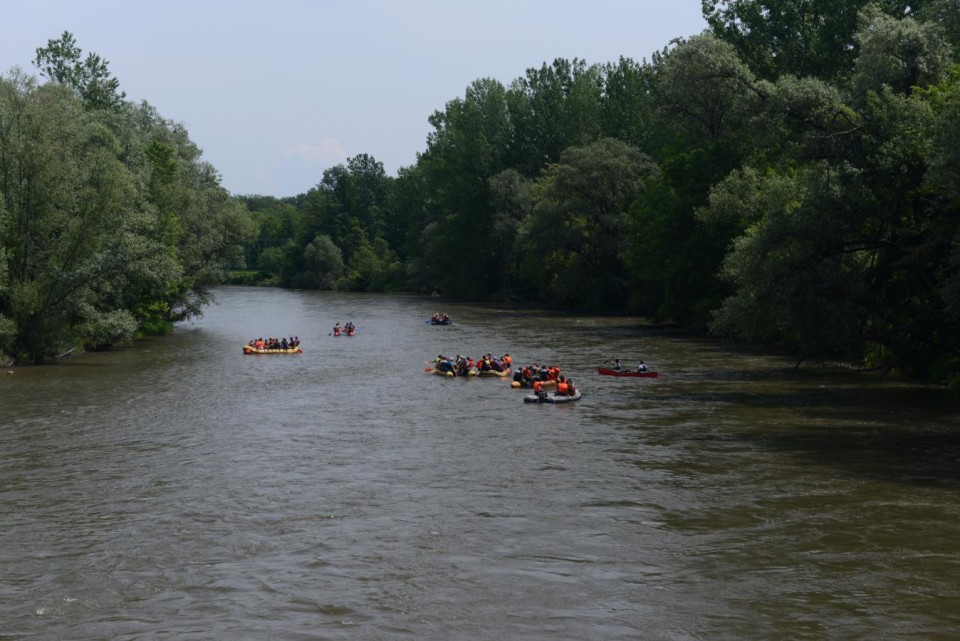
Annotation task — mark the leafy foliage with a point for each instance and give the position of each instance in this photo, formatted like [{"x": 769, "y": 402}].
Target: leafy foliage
[
  {"x": 787, "y": 178},
  {"x": 62, "y": 62},
  {"x": 109, "y": 224}
]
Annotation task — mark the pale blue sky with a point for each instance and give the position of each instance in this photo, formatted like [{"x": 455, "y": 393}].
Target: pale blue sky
[{"x": 276, "y": 92}]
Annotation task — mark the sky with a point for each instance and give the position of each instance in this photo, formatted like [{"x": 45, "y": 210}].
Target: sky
[{"x": 276, "y": 92}]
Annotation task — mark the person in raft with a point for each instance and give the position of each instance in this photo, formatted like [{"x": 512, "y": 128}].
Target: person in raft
[
  {"x": 642, "y": 367},
  {"x": 616, "y": 365},
  {"x": 336, "y": 328},
  {"x": 444, "y": 363}
]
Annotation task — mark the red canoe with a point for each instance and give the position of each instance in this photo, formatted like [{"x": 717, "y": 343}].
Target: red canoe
[{"x": 632, "y": 373}]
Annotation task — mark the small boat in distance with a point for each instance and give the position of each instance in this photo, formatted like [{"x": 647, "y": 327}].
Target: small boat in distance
[{"x": 606, "y": 371}]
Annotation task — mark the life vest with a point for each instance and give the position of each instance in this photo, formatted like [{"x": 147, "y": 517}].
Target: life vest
[
  {"x": 537, "y": 386},
  {"x": 562, "y": 388}
]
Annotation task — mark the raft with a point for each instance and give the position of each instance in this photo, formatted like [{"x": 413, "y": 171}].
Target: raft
[
  {"x": 547, "y": 385},
  {"x": 451, "y": 374},
  {"x": 491, "y": 372},
  {"x": 253, "y": 350},
  {"x": 552, "y": 398}
]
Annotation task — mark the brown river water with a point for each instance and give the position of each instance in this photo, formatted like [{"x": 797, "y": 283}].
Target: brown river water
[{"x": 179, "y": 489}]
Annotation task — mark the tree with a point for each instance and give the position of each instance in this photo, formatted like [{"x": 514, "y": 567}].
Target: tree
[
  {"x": 511, "y": 202},
  {"x": 627, "y": 107},
  {"x": 468, "y": 145},
  {"x": 71, "y": 240},
  {"x": 898, "y": 53},
  {"x": 706, "y": 101},
  {"x": 800, "y": 280},
  {"x": 552, "y": 108},
  {"x": 704, "y": 90},
  {"x": 62, "y": 62},
  {"x": 573, "y": 242},
  {"x": 946, "y": 14},
  {"x": 323, "y": 265},
  {"x": 110, "y": 224},
  {"x": 808, "y": 38}
]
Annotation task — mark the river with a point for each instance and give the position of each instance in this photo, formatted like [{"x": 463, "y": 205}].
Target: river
[{"x": 179, "y": 489}]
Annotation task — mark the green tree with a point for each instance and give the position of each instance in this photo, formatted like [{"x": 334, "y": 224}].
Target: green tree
[
  {"x": 552, "y": 108},
  {"x": 802, "y": 38},
  {"x": 71, "y": 241},
  {"x": 898, "y": 53},
  {"x": 467, "y": 147},
  {"x": 62, "y": 62},
  {"x": 574, "y": 241},
  {"x": 703, "y": 122},
  {"x": 627, "y": 107},
  {"x": 111, "y": 225},
  {"x": 799, "y": 280},
  {"x": 511, "y": 202},
  {"x": 323, "y": 265},
  {"x": 704, "y": 91}
]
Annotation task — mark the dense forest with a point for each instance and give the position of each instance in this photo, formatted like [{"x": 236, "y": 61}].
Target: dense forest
[{"x": 790, "y": 177}]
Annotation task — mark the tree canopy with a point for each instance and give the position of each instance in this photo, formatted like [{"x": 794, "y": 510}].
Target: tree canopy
[
  {"x": 788, "y": 177},
  {"x": 110, "y": 224}
]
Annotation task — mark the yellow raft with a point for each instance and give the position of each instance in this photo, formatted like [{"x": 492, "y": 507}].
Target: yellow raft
[
  {"x": 491, "y": 372},
  {"x": 253, "y": 350},
  {"x": 546, "y": 386},
  {"x": 451, "y": 374}
]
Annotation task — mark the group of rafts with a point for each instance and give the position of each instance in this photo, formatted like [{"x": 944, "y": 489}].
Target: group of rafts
[{"x": 547, "y": 383}]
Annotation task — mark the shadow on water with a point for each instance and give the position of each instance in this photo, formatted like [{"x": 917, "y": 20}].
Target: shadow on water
[
  {"x": 888, "y": 433},
  {"x": 906, "y": 435},
  {"x": 922, "y": 457}
]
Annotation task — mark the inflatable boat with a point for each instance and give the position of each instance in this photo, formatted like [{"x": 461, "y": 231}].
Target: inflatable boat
[
  {"x": 552, "y": 398},
  {"x": 493, "y": 372},
  {"x": 247, "y": 349},
  {"x": 448, "y": 374}
]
